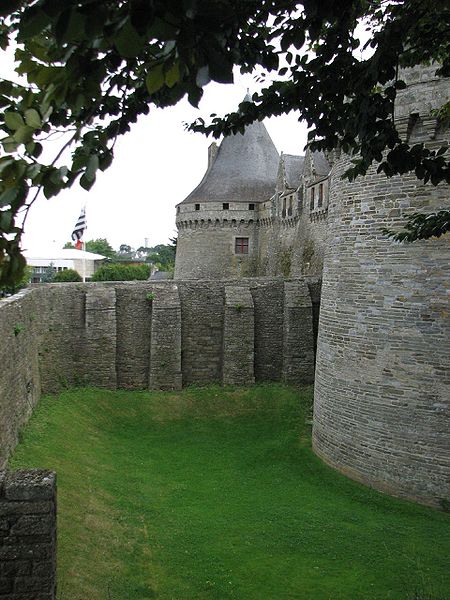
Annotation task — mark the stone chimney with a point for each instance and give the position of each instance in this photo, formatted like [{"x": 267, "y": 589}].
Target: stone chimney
[{"x": 212, "y": 153}]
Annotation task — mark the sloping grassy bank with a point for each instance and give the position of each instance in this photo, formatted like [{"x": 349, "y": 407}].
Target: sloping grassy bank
[{"x": 214, "y": 493}]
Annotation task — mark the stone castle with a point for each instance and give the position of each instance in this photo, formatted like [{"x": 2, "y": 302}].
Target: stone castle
[
  {"x": 382, "y": 378},
  {"x": 263, "y": 241},
  {"x": 254, "y": 213}
]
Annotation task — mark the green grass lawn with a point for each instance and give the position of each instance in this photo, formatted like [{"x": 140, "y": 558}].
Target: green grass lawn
[{"x": 214, "y": 493}]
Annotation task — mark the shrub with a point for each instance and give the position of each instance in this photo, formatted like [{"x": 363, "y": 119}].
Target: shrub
[
  {"x": 118, "y": 272},
  {"x": 67, "y": 275}
]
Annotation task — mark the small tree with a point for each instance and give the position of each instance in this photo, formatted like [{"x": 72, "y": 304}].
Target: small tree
[
  {"x": 67, "y": 275},
  {"x": 49, "y": 274}
]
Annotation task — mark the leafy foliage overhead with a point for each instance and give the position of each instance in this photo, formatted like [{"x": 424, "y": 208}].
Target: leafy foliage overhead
[
  {"x": 422, "y": 227},
  {"x": 89, "y": 68}
]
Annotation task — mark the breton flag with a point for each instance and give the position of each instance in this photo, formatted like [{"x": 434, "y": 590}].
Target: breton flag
[{"x": 78, "y": 231}]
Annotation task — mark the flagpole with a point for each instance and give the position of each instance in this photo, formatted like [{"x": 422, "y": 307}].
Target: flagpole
[{"x": 83, "y": 247}]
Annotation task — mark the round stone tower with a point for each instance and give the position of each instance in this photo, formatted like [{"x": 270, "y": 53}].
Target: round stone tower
[
  {"x": 217, "y": 222},
  {"x": 382, "y": 390}
]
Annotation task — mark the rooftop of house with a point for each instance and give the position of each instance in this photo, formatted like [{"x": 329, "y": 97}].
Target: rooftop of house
[{"x": 293, "y": 169}]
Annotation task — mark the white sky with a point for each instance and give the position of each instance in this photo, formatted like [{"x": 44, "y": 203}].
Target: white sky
[{"x": 156, "y": 166}]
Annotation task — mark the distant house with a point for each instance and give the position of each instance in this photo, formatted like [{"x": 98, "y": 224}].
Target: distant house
[{"x": 86, "y": 263}]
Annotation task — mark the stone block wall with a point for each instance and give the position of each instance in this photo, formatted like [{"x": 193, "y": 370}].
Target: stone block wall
[
  {"x": 20, "y": 381},
  {"x": 202, "y": 305},
  {"x": 165, "y": 344},
  {"x": 298, "y": 345},
  {"x": 139, "y": 335},
  {"x": 27, "y": 535},
  {"x": 382, "y": 387},
  {"x": 134, "y": 321},
  {"x": 206, "y": 247},
  {"x": 239, "y": 337}
]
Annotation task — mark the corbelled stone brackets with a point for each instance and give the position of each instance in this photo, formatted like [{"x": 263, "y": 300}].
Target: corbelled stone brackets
[
  {"x": 101, "y": 337},
  {"x": 238, "y": 337},
  {"x": 27, "y": 535},
  {"x": 298, "y": 342},
  {"x": 165, "y": 345}
]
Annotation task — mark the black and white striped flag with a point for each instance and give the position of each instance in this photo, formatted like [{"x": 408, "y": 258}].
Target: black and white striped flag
[{"x": 80, "y": 226}]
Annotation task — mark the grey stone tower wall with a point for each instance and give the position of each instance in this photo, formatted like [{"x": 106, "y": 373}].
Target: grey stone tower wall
[
  {"x": 293, "y": 247},
  {"x": 205, "y": 247},
  {"x": 382, "y": 393}
]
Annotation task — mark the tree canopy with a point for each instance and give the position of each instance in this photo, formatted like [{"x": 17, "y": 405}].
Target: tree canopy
[
  {"x": 89, "y": 68},
  {"x": 97, "y": 246}
]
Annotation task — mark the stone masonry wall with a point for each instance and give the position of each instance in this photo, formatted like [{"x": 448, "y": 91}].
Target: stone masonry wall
[
  {"x": 20, "y": 382},
  {"x": 382, "y": 391},
  {"x": 27, "y": 535},
  {"x": 134, "y": 335},
  {"x": 205, "y": 250}
]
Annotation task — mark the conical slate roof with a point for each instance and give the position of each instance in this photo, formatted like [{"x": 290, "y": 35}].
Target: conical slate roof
[{"x": 245, "y": 169}]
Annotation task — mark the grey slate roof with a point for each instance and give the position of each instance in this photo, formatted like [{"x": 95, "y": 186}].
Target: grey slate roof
[
  {"x": 293, "y": 168},
  {"x": 245, "y": 169},
  {"x": 321, "y": 165}
]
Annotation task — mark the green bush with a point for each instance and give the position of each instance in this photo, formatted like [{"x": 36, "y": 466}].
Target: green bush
[
  {"x": 118, "y": 272},
  {"x": 67, "y": 275},
  {"x": 26, "y": 278}
]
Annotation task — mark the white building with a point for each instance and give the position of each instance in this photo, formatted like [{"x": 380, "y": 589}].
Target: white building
[{"x": 86, "y": 263}]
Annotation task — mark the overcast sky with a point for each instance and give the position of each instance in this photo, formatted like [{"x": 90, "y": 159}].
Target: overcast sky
[{"x": 156, "y": 165}]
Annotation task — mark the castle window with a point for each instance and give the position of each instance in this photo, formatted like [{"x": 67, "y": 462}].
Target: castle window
[
  {"x": 197, "y": 207},
  {"x": 251, "y": 206},
  {"x": 225, "y": 206},
  {"x": 241, "y": 245},
  {"x": 311, "y": 204},
  {"x": 290, "y": 206},
  {"x": 320, "y": 202}
]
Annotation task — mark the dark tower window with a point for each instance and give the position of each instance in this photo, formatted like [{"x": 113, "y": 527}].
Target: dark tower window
[
  {"x": 251, "y": 206},
  {"x": 225, "y": 206},
  {"x": 311, "y": 204},
  {"x": 197, "y": 207},
  {"x": 241, "y": 245},
  {"x": 320, "y": 202}
]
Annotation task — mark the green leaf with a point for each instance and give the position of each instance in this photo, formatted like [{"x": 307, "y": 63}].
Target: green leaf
[
  {"x": 9, "y": 6},
  {"x": 86, "y": 183},
  {"x": 9, "y": 144},
  {"x": 33, "y": 118},
  {"x": 91, "y": 168},
  {"x": 24, "y": 134},
  {"x": 34, "y": 21},
  {"x": 8, "y": 196},
  {"x": 13, "y": 120},
  {"x": 173, "y": 75},
  {"x": 128, "y": 42},
  {"x": 155, "y": 79},
  {"x": 6, "y": 220}
]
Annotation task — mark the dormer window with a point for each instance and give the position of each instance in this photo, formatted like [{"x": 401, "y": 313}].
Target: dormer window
[
  {"x": 197, "y": 207},
  {"x": 225, "y": 206}
]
